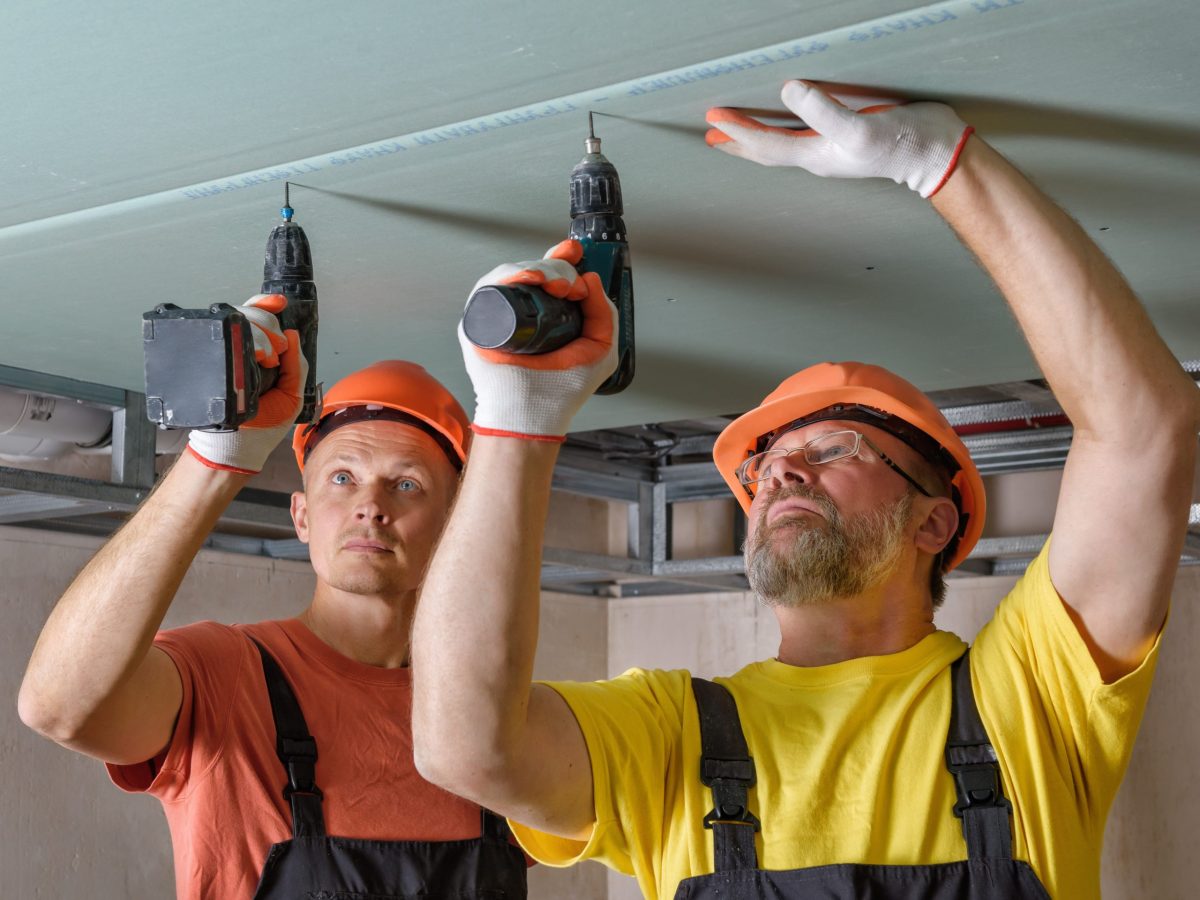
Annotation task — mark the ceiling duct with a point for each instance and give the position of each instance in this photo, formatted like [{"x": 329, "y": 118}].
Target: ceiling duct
[{"x": 37, "y": 426}]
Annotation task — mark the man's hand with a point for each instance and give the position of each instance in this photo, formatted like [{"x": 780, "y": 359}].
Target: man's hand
[
  {"x": 246, "y": 450},
  {"x": 535, "y": 396},
  {"x": 915, "y": 144}
]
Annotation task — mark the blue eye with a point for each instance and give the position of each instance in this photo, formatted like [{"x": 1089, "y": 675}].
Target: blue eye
[
  {"x": 407, "y": 484},
  {"x": 830, "y": 452},
  {"x": 340, "y": 478}
]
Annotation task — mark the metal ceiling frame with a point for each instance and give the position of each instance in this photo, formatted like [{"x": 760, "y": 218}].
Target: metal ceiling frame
[
  {"x": 82, "y": 505},
  {"x": 649, "y": 468}
]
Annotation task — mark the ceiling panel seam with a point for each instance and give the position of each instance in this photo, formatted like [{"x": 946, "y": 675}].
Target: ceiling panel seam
[{"x": 852, "y": 38}]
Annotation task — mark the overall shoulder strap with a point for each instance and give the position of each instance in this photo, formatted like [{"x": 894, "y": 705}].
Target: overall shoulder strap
[
  {"x": 493, "y": 827},
  {"x": 971, "y": 759},
  {"x": 726, "y": 768},
  {"x": 296, "y": 750}
]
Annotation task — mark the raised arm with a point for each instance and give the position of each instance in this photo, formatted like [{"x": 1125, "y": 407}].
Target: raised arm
[
  {"x": 480, "y": 728},
  {"x": 95, "y": 682},
  {"x": 1126, "y": 489}
]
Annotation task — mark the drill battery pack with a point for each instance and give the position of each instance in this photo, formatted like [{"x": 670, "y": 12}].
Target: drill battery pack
[{"x": 200, "y": 364}]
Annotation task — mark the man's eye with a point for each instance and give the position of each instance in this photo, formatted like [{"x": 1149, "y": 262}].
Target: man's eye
[
  {"x": 340, "y": 478},
  {"x": 407, "y": 484},
  {"x": 830, "y": 451}
]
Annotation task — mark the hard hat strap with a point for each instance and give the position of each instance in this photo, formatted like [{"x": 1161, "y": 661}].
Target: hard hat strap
[{"x": 351, "y": 415}]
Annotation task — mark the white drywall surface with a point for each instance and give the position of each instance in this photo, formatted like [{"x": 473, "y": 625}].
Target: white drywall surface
[{"x": 144, "y": 149}]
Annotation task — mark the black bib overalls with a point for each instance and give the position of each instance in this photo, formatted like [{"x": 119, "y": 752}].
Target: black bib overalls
[
  {"x": 315, "y": 866},
  {"x": 988, "y": 873}
]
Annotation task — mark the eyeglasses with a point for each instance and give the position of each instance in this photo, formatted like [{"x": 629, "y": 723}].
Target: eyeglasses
[{"x": 825, "y": 448}]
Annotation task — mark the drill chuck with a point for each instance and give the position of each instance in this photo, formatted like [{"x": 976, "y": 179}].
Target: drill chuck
[
  {"x": 595, "y": 186},
  {"x": 288, "y": 258}
]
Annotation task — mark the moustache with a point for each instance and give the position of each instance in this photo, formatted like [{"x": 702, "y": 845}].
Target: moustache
[{"x": 803, "y": 492}]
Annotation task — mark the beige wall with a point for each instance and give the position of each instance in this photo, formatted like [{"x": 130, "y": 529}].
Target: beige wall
[{"x": 66, "y": 831}]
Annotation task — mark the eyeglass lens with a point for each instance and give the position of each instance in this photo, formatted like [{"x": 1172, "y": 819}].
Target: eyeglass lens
[{"x": 822, "y": 449}]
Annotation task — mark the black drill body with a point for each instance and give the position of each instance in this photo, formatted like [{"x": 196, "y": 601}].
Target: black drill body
[
  {"x": 200, "y": 366},
  {"x": 288, "y": 270},
  {"x": 524, "y": 319}
]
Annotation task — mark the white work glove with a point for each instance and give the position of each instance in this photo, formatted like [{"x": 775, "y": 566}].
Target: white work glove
[
  {"x": 246, "y": 450},
  {"x": 916, "y": 144},
  {"x": 535, "y": 396}
]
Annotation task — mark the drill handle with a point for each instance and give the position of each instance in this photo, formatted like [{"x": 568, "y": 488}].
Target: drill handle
[
  {"x": 525, "y": 319},
  {"x": 300, "y": 314},
  {"x": 610, "y": 260}
]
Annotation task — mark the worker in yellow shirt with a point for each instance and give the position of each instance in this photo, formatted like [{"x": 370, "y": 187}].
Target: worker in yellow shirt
[{"x": 872, "y": 757}]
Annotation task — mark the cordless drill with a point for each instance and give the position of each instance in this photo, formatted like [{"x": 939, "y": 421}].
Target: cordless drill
[
  {"x": 525, "y": 319},
  {"x": 200, "y": 366}
]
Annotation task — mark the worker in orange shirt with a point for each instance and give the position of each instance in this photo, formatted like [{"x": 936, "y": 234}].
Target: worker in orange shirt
[{"x": 281, "y": 750}]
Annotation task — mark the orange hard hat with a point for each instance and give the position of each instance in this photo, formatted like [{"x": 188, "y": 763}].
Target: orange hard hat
[
  {"x": 863, "y": 393},
  {"x": 392, "y": 390}
]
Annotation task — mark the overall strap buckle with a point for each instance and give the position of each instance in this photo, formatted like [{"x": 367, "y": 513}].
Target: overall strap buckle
[
  {"x": 727, "y": 769},
  {"x": 971, "y": 759},
  {"x": 296, "y": 749},
  {"x": 730, "y": 781},
  {"x": 976, "y": 781},
  {"x": 301, "y": 757}
]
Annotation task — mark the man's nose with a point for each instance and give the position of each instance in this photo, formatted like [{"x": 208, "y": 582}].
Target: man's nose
[
  {"x": 790, "y": 469},
  {"x": 370, "y": 505}
]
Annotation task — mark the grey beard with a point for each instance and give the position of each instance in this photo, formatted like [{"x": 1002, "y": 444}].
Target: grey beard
[{"x": 821, "y": 563}]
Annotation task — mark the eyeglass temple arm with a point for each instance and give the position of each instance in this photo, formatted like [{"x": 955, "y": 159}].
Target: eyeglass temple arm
[{"x": 899, "y": 471}]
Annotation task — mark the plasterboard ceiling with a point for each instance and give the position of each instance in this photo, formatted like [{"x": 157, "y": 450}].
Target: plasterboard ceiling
[{"x": 144, "y": 143}]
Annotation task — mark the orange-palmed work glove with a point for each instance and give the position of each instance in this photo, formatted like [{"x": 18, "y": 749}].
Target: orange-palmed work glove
[
  {"x": 246, "y": 450},
  {"x": 915, "y": 144},
  {"x": 535, "y": 396}
]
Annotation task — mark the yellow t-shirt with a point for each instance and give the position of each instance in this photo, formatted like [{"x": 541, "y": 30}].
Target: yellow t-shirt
[{"x": 849, "y": 757}]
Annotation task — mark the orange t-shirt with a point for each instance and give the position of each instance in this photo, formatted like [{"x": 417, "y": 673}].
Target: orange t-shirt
[{"x": 221, "y": 784}]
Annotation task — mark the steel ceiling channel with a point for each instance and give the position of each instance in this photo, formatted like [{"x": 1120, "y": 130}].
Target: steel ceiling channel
[
  {"x": 263, "y": 507},
  {"x": 1020, "y": 451},
  {"x": 17, "y": 508},
  {"x": 1004, "y": 411},
  {"x": 573, "y": 480},
  {"x": 1028, "y": 545},
  {"x": 648, "y": 489},
  {"x": 58, "y": 386},
  {"x": 1191, "y": 545},
  {"x": 276, "y": 549}
]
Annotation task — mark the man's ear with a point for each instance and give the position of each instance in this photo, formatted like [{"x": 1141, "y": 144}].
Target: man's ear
[
  {"x": 939, "y": 526},
  {"x": 300, "y": 515}
]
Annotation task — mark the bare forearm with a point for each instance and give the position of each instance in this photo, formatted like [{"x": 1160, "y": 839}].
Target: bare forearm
[
  {"x": 1126, "y": 486},
  {"x": 102, "y": 628},
  {"x": 477, "y": 620},
  {"x": 1091, "y": 337}
]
